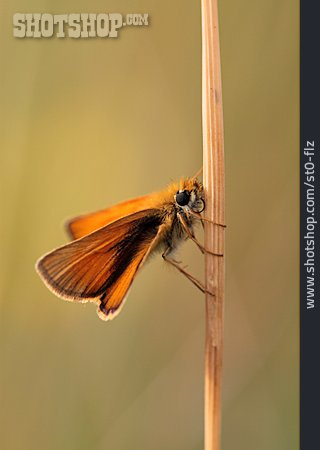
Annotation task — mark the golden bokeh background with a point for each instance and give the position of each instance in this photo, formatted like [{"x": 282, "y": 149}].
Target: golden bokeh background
[{"x": 88, "y": 123}]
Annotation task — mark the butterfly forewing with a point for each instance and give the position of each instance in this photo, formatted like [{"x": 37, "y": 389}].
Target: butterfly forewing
[
  {"x": 83, "y": 225},
  {"x": 102, "y": 265}
]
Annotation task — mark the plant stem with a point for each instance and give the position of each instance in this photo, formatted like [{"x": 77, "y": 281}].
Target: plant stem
[{"x": 213, "y": 178}]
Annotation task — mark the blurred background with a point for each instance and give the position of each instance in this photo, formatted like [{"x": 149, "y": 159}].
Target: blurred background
[{"x": 88, "y": 123}]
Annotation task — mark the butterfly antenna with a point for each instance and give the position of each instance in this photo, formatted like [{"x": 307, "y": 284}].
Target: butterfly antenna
[{"x": 199, "y": 172}]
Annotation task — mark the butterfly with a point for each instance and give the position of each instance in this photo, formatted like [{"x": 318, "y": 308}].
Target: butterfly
[{"x": 110, "y": 246}]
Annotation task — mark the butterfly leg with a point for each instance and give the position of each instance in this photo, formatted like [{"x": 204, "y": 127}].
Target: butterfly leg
[
  {"x": 190, "y": 277},
  {"x": 204, "y": 219},
  {"x": 193, "y": 238}
]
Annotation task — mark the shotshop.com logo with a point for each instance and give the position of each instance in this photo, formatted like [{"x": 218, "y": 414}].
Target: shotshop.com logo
[{"x": 74, "y": 25}]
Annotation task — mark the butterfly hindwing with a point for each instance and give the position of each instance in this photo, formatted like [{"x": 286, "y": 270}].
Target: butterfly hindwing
[{"x": 101, "y": 266}]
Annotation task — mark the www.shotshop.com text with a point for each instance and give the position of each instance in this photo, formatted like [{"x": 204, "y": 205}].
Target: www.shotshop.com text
[{"x": 309, "y": 227}]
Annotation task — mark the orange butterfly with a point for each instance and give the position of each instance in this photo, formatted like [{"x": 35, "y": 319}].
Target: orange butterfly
[{"x": 111, "y": 245}]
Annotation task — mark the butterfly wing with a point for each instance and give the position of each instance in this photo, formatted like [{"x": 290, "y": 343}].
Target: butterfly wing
[
  {"x": 101, "y": 266},
  {"x": 82, "y": 225}
]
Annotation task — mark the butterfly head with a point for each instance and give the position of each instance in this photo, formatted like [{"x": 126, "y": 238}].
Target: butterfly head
[{"x": 190, "y": 196}]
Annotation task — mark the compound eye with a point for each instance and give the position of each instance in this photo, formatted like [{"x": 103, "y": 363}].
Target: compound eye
[{"x": 182, "y": 198}]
